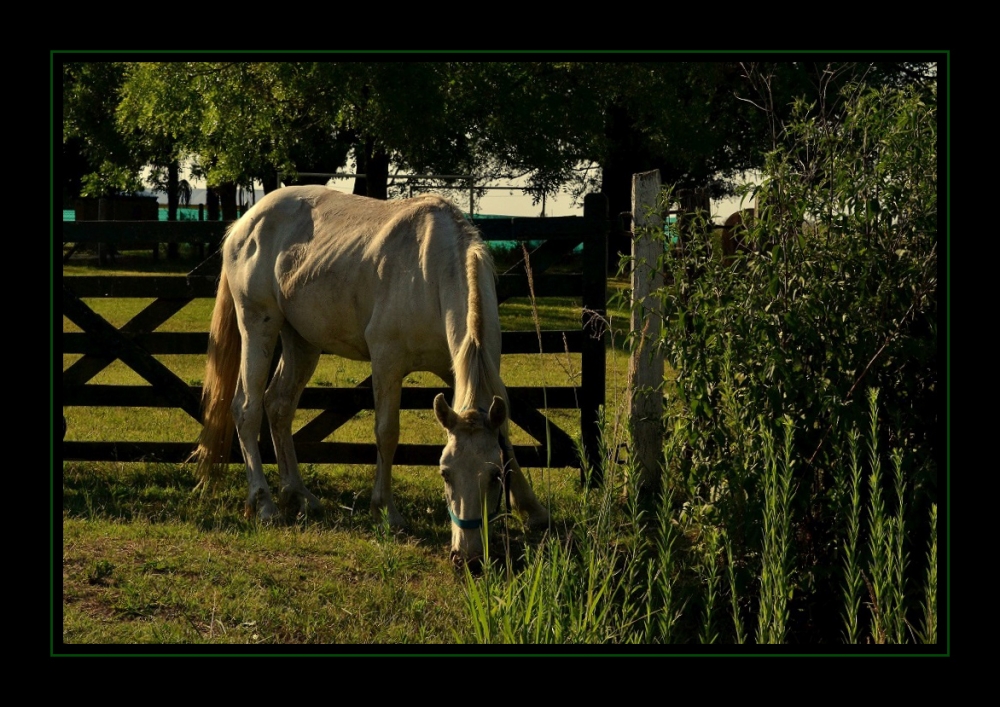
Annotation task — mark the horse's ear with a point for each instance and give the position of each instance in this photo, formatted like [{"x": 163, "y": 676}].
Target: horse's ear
[
  {"x": 498, "y": 412},
  {"x": 442, "y": 410}
]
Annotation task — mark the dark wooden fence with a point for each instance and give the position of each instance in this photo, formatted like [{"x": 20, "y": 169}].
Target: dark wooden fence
[{"x": 137, "y": 343}]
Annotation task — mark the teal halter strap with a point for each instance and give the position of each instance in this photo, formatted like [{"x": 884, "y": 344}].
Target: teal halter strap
[{"x": 475, "y": 523}]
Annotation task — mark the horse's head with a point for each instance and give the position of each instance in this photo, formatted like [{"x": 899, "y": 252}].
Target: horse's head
[{"x": 473, "y": 472}]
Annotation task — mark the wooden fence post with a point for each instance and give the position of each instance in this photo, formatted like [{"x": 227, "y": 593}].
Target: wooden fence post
[{"x": 645, "y": 371}]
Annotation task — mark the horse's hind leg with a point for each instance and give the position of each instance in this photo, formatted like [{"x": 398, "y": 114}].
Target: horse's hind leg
[
  {"x": 298, "y": 361},
  {"x": 388, "y": 385},
  {"x": 259, "y": 332}
]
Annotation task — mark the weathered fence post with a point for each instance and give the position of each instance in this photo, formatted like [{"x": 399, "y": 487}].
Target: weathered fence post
[
  {"x": 594, "y": 355},
  {"x": 645, "y": 370}
]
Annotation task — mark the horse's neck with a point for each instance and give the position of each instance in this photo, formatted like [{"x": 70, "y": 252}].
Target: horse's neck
[{"x": 474, "y": 339}]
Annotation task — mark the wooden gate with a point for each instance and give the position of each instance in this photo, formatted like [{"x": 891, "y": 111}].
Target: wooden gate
[{"x": 137, "y": 344}]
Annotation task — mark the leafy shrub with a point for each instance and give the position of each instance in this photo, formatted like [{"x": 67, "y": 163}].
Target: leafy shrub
[{"x": 835, "y": 296}]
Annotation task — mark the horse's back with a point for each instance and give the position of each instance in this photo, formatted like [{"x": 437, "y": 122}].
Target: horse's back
[
  {"x": 346, "y": 269},
  {"x": 321, "y": 226}
]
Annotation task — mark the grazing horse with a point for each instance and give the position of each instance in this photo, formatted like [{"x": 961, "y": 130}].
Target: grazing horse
[{"x": 408, "y": 285}]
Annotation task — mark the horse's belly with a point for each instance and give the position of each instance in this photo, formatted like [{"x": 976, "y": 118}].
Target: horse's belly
[
  {"x": 356, "y": 351},
  {"x": 337, "y": 327},
  {"x": 356, "y": 314},
  {"x": 340, "y": 343}
]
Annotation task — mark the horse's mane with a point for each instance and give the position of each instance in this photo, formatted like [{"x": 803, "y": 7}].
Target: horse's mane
[{"x": 474, "y": 367}]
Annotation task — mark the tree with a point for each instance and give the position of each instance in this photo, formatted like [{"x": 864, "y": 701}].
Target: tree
[
  {"x": 558, "y": 123},
  {"x": 223, "y": 115},
  {"x": 103, "y": 157},
  {"x": 104, "y": 161},
  {"x": 701, "y": 124},
  {"x": 247, "y": 121}
]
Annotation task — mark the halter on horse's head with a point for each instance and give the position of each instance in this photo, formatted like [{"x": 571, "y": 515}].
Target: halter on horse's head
[{"x": 474, "y": 472}]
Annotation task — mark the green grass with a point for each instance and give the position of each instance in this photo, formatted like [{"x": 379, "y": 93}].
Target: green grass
[
  {"x": 147, "y": 560},
  {"x": 138, "y": 581}
]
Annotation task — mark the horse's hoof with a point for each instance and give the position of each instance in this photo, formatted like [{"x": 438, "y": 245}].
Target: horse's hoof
[
  {"x": 473, "y": 564},
  {"x": 309, "y": 507},
  {"x": 311, "y": 504},
  {"x": 299, "y": 503},
  {"x": 267, "y": 513}
]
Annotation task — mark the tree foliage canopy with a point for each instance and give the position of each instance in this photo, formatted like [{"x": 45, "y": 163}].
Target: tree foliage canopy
[{"x": 588, "y": 125}]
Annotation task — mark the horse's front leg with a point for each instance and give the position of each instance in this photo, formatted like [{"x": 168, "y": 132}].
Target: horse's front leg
[
  {"x": 523, "y": 498},
  {"x": 387, "y": 390}
]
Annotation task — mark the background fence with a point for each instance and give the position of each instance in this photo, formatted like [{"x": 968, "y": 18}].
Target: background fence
[{"x": 137, "y": 344}]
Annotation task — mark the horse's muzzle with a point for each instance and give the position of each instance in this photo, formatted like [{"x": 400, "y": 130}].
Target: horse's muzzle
[{"x": 475, "y": 564}]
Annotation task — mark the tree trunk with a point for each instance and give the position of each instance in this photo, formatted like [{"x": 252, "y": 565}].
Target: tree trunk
[
  {"x": 696, "y": 208},
  {"x": 211, "y": 203},
  {"x": 372, "y": 162},
  {"x": 378, "y": 175},
  {"x": 630, "y": 154},
  {"x": 227, "y": 199},
  {"x": 625, "y": 158},
  {"x": 616, "y": 184},
  {"x": 173, "y": 199},
  {"x": 269, "y": 182},
  {"x": 361, "y": 167}
]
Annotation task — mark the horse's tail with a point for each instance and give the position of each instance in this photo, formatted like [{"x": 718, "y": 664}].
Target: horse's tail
[{"x": 221, "y": 371}]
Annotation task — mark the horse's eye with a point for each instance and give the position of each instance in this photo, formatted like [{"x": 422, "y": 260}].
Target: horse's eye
[{"x": 446, "y": 475}]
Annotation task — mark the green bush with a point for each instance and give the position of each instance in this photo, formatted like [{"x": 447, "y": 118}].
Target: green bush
[{"x": 836, "y": 296}]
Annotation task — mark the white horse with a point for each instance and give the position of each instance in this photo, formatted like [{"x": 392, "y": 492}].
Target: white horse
[{"x": 408, "y": 285}]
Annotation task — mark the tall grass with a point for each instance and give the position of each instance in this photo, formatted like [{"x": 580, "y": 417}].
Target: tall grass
[
  {"x": 587, "y": 581},
  {"x": 775, "y": 587},
  {"x": 929, "y": 625},
  {"x": 853, "y": 584},
  {"x": 710, "y": 558},
  {"x": 620, "y": 571}
]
